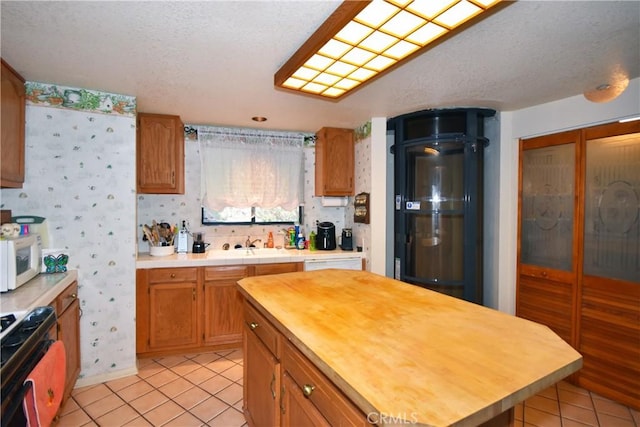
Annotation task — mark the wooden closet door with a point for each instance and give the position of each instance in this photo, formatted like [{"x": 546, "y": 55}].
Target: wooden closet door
[
  {"x": 548, "y": 232},
  {"x": 609, "y": 307}
]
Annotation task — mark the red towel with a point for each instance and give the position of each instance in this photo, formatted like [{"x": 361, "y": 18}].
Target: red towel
[{"x": 42, "y": 400}]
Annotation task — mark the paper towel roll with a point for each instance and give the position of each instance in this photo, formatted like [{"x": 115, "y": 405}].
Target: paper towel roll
[{"x": 334, "y": 202}]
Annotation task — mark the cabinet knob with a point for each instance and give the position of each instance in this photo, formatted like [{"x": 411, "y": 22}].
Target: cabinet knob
[
  {"x": 253, "y": 325},
  {"x": 544, "y": 274},
  {"x": 307, "y": 389},
  {"x": 73, "y": 296},
  {"x": 173, "y": 275}
]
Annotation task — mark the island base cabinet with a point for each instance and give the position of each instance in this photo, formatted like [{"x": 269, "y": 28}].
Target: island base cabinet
[
  {"x": 261, "y": 382},
  {"x": 325, "y": 399},
  {"x": 297, "y": 409},
  {"x": 282, "y": 387}
]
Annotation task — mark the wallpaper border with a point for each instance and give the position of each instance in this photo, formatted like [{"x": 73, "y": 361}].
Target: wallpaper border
[{"x": 51, "y": 95}]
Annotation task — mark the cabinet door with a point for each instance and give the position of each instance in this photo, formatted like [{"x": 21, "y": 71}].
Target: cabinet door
[
  {"x": 223, "y": 304},
  {"x": 13, "y": 123},
  {"x": 69, "y": 334},
  {"x": 173, "y": 315},
  {"x": 335, "y": 152},
  {"x": 548, "y": 235},
  {"x": 160, "y": 154},
  {"x": 296, "y": 409},
  {"x": 261, "y": 383}
]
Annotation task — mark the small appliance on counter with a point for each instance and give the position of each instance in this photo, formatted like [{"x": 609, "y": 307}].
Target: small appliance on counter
[
  {"x": 199, "y": 246},
  {"x": 346, "y": 240},
  {"x": 20, "y": 259},
  {"x": 182, "y": 239},
  {"x": 326, "y": 236}
]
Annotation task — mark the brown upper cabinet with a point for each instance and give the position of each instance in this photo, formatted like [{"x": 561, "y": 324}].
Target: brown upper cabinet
[
  {"x": 335, "y": 152},
  {"x": 12, "y": 150},
  {"x": 160, "y": 154}
]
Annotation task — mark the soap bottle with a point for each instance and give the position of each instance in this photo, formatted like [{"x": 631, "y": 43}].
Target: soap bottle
[
  {"x": 270, "y": 240},
  {"x": 312, "y": 241}
]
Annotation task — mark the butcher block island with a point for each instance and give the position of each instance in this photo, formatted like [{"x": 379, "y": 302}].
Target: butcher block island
[{"x": 337, "y": 347}]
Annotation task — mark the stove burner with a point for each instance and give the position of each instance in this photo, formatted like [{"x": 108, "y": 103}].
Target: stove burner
[
  {"x": 6, "y": 321},
  {"x": 13, "y": 340}
]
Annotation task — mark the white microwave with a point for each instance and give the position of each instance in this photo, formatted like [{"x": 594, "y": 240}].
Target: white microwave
[{"x": 19, "y": 261}]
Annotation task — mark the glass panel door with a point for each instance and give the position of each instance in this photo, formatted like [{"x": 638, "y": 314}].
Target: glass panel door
[
  {"x": 435, "y": 220},
  {"x": 548, "y": 194},
  {"x": 612, "y": 204}
]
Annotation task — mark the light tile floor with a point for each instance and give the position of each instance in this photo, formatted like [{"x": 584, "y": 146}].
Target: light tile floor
[{"x": 206, "y": 390}]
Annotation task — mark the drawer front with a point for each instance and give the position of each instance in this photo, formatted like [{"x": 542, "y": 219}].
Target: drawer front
[
  {"x": 226, "y": 272},
  {"x": 66, "y": 298},
  {"x": 264, "y": 330},
  {"x": 285, "y": 267},
  {"x": 164, "y": 275},
  {"x": 332, "y": 404}
]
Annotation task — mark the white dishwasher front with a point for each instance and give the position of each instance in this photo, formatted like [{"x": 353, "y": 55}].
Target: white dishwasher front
[{"x": 353, "y": 263}]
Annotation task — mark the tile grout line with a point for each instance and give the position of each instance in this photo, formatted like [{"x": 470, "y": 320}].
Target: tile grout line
[{"x": 171, "y": 399}]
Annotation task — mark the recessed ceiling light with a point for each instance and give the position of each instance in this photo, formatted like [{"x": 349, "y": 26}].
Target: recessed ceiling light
[{"x": 259, "y": 119}]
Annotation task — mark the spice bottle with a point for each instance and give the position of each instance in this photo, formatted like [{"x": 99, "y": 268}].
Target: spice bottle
[{"x": 270, "y": 240}]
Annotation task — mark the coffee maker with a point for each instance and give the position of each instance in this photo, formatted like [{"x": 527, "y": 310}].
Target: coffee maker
[
  {"x": 326, "y": 236},
  {"x": 346, "y": 241},
  {"x": 199, "y": 245}
]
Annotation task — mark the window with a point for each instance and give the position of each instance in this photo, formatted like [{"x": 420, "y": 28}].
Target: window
[
  {"x": 250, "y": 176},
  {"x": 251, "y": 216}
]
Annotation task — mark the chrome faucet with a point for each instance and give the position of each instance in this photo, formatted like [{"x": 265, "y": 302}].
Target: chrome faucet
[{"x": 249, "y": 242}]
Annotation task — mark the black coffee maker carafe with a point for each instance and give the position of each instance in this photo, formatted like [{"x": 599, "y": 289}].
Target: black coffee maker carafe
[
  {"x": 326, "y": 236},
  {"x": 346, "y": 242},
  {"x": 199, "y": 245}
]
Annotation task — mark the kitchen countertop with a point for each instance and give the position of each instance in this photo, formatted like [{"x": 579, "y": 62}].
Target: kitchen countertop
[
  {"x": 241, "y": 256},
  {"x": 39, "y": 291},
  {"x": 401, "y": 350}
]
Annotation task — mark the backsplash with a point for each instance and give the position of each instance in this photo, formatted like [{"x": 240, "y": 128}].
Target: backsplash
[
  {"x": 175, "y": 208},
  {"x": 80, "y": 175}
]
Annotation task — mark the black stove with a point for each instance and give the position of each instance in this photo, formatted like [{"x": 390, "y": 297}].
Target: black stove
[{"x": 21, "y": 349}]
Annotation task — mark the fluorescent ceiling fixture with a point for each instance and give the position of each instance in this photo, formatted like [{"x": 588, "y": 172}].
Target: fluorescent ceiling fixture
[{"x": 363, "y": 39}]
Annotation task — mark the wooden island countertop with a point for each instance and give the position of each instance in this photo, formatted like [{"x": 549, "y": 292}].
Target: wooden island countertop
[{"x": 404, "y": 351}]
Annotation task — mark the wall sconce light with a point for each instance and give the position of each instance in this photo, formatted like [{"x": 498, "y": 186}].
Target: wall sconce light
[{"x": 363, "y": 39}]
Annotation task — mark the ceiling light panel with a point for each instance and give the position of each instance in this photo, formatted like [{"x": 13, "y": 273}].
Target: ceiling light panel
[{"x": 364, "y": 38}]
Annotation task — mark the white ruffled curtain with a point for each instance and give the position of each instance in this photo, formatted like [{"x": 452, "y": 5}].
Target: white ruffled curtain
[{"x": 251, "y": 168}]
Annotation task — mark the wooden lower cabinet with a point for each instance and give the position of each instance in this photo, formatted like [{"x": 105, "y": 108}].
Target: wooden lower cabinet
[
  {"x": 67, "y": 307},
  {"x": 193, "y": 308},
  {"x": 261, "y": 383},
  {"x": 283, "y": 387},
  {"x": 222, "y": 304},
  {"x": 299, "y": 410}
]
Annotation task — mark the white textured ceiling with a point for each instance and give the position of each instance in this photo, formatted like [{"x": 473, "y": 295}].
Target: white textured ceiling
[{"x": 213, "y": 62}]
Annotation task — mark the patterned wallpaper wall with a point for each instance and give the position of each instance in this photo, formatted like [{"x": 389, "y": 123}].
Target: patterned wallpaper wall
[
  {"x": 362, "y": 232},
  {"x": 175, "y": 208},
  {"x": 80, "y": 175}
]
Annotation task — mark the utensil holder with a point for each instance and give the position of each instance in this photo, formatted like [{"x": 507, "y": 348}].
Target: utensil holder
[{"x": 161, "y": 250}]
